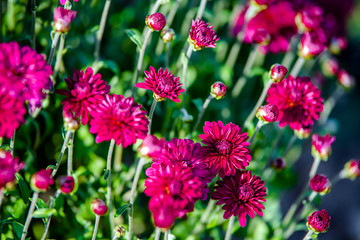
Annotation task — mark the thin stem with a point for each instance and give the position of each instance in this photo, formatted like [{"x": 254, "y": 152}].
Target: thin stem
[
  {"x": 274, "y": 146},
  {"x": 62, "y": 151},
  {"x": 205, "y": 217},
  {"x": 258, "y": 103},
  {"x": 132, "y": 195},
  {"x": 335, "y": 179},
  {"x": 290, "y": 213},
  {"x": 155, "y": 7},
  {"x": 1, "y": 192},
  {"x": 166, "y": 235},
  {"x": 330, "y": 104},
  {"x": 115, "y": 237},
  {"x": 201, "y": 9},
  {"x": 289, "y": 146},
  {"x": 29, "y": 215},
  {"x": 109, "y": 193},
  {"x": 59, "y": 55},
  {"x": 185, "y": 67},
  {"x": 204, "y": 106},
  {"x": 51, "y": 206},
  {"x": 140, "y": 61},
  {"x": 314, "y": 167},
  {"x": 168, "y": 46},
  {"x": 12, "y": 143},
  {"x": 297, "y": 67},
  {"x": 70, "y": 154},
  {"x": 312, "y": 196},
  {"x": 257, "y": 128},
  {"x": 233, "y": 54},
  {"x": 151, "y": 113},
  {"x": 53, "y": 47},
  {"x": 97, "y": 220},
  {"x": 308, "y": 235},
  {"x": 229, "y": 228},
  {"x": 100, "y": 33},
  {"x": 33, "y": 23},
  {"x": 157, "y": 233}
]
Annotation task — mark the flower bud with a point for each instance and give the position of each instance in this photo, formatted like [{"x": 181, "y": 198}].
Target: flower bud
[
  {"x": 41, "y": 181},
  {"x": 267, "y": 113},
  {"x": 99, "y": 207},
  {"x": 156, "y": 21},
  {"x": 320, "y": 184},
  {"x": 67, "y": 184},
  {"x": 309, "y": 18},
  {"x": 312, "y": 44},
  {"x": 346, "y": 80},
  {"x": 62, "y": 19},
  {"x": 218, "y": 90},
  {"x": 119, "y": 231},
  {"x": 351, "y": 170},
  {"x": 70, "y": 122},
  {"x": 261, "y": 37},
  {"x": 330, "y": 67},
  {"x": 9, "y": 166},
  {"x": 318, "y": 221},
  {"x": 151, "y": 146},
  {"x": 278, "y": 163},
  {"x": 167, "y": 35},
  {"x": 321, "y": 146},
  {"x": 303, "y": 132},
  {"x": 337, "y": 44},
  {"x": 277, "y": 72}
]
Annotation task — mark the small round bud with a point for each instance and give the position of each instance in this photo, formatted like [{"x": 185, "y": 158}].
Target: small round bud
[
  {"x": 261, "y": 37},
  {"x": 155, "y": 21},
  {"x": 321, "y": 146},
  {"x": 267, "y": 113},
  {"x": 320, "y": 184},
  {"x": 330, "y": 67},
  {"x": 41, "y": 181},
  {"x": 99, "y": 207},
  {"x": 167, "y": 35},
  {"x": 218, "y": 90},
  {"x": 277, "y": 72},
  {"x": 278, "y": 163},
  {"x": 151, "y": 146},
  {"x": 119, "y": 231},
  {"x": 346, "y": 80},
  {"x": 70, "y": 122},
  {"x": 318, "y": 221},
  {"x": 351, "y": 170},
  {"x": 312, "y": 44},
  {"x": 303, "y": 133},
  {"x": 67, "y": 184},
  {"x": 62, "y": 19},
  {"x": 337, "y": 44}
]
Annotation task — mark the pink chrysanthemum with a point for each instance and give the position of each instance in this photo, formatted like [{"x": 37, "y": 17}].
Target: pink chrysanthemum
[
  {"x": 319, "y": 221},
  {"x": 321, "y": 146},
  {"x": 42, "y": 180},
  {"x": 312, "y": 43},
  {"x": 163, "y": 84},
  {"x": 62, "y": 19},
  {"x": 62, "y": 2},
  {"x": 25, "y": 72},
  {"x": 120, "y": 119},
  {"x": 320, "y": 184},
  {"x": 225, "y": 149},
  {"x": 86, "y": 90},
  {"x": 12, "y": 111},
  {"x": 242, "y": 194},
  {"x": 201, "y": 36},
  {"x": 298, "y": 101},
  {"x": 8, "y": 167},
  {"x": 152, "y": 146}
]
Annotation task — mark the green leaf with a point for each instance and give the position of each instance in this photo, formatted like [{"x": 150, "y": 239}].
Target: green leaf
[
  {"x": 121, "y": 210},
  {"x": 43, "y": 212},
  {"x": 256, "y": 71},
  {"x": 198, "y": 103},
  {"x": 24, "y": 189},
  {"x": 106, "y": 174},
  {"x": 18, "y": 228},
  {"x": 40, "y": 204},
  {"x": 135, "y": 36},
  {"x": 184, "y": 59}
]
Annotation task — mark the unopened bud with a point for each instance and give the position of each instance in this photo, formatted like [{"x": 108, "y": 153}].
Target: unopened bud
[
  {"x": 268, "y": 113},
  {"x": 303, "y": 132},
  {"x": 277, "y": 72},
  {"x": 321, "y": 146},
  {"x": 351, "y": 169},
  {"x": 42, "y": 180},
  {"x": 320, "y": 184},
  {"x": 218, "y": 90},
  {"x": 330, "y": 67},
  {"x": 318, "y": 221},
  {"x": 62, "y": 19},
  {"x": 156, "y": 21},
  {"x": 167, "y": 35},
  {"x": 346, "y": 80},
  {"x": 99, "y": 207},
  {"x": 278, "y": 163},
  {"x": 67, "y": 184}
]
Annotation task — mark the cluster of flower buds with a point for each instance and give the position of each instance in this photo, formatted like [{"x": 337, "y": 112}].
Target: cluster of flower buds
[
  {"x": 267, "y": 113},
  {"x": 318, "y": 221},
  {"x": 62, "y": 19},
  {"x": 321, "y": 146},
  {"x": 156, "y": 21},
  {"x": 351, "y": 169},
  {"x": 218, "y": 90},
  {"x": 320, "y": 184}
]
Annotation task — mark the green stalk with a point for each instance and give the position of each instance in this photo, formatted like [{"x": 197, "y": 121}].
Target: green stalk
[
  {"x": 229, "y": 228},
  {"x": 12, "y": 143},
  {"x": 51, "y": 206},
  {"x": 297, "y": 67},
  {"x": 29, "y": 215},
  {"x": 59, "y": 55},
  {"x": 53, "y": 47},
  {"x": 97, "y": 220},
  {"x": 151, "y": 113},
  {"x": 109, "y": 193},
  {"x": 62, "y": 151},
  {"x": 205, "y": 105},
  {"x": 100, "y": 33}
]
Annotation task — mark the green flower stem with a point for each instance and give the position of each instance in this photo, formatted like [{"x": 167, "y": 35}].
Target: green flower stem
[
  {"x": 274, "y": 147},
  {"x": 70, "y": 153},
  {"x": 248, "y": 65},
  {"x": 29, "y": 215},
  {"x": 233, "y": 54},
  {"x": 311, "y": 197},
  {"x": 204, "y": 106},
  {"x": 62, "y": 151},
  {"x": 109, "y": 193},
  {"x": 204, "y": 218},
  {"x": 151, "y": 114},
  {"x": 155, "y": 7},
  {"x": 100, "y": 32},
  {"x": 140, "y": 61},
  {"x": 59, "y": 55},
  {"x": 33, "y": 23},
  {"x": 53, "y": 47},
  {"x": 297, "y": 67},
  {"x": 201, "y": 9},
  {"x": 168, "y": 48},
  {"x": 51, "y": 206},
  {"x": 290, "y": 213},
  {"x": 185, "y": 68},
  {"x": 289, "y": 146},
  {"x": 166, "y": 235},
  {"x": 139, "y": 168},
  {"x": 12, "y": 143},
  {"x": 157, "y": 233},
  {"x": 1, "y": 196},
  {"x": 258, "y": 103},
  {"x": 118, "y": 158},
  {"x": 330, "y": 104},
  {"x": 257, "y": 128},
  {"x": 229, "y": 228},
  {"x": 336, "y": 179},
  {"x": 308, "y": 235},
  {"x": 97, "y": 220},
  {"x": 314, "y": 167}
]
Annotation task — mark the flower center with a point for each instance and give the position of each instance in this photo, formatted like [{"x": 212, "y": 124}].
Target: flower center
[
  {"x": 175, "y": 187},
  {"x": 82, "y": 88},
  {"x": 166, "y": 84},
  {"x": 203, "y": 35},
  {"x": 246, "y": 192},
  {"x": 223, "y": 147}
]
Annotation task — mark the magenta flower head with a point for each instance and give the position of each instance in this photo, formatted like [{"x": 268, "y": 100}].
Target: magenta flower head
[
  {"x": 163, "y": 84},
  {"x": 351, "y": 169},
  {"x": 278, "y": 163},
  {"x": 242, "y": 194},
  {"x": 346, "y": 80},
  {"x": 67, "y": 184},
  {"x": 321, "y": 146},
  {"x": 261, "y": 37},
  {"x": 318, "y": 221},
  {"x": 267, "y": 113},
  {"x": 42, "y": 180},
  {"x": 320, "y": 184},
  {"x": 298, "y": 101},
  {"x": 309, "y": 18},
  {"x": 70, "y": 122},
  {"x": 151, "y": 146},
  {"x": 277, "y": 72},
  {"x": 201, "y": 36},
  {"x": 330, "y": 67},
  {"x": 24, "y": 72},
  {"x": 218, "y": 90},
  {"x": 8, "y": 167},
  {"x": 167, "y": 35},
  {"x": 62, "y": 19},
  {"x": 12, "y": 111},
  {"x": 156, "y": 21},
  {"x": 303, "y": 132},
  {"x": 99, "y": 207},
  {"x": 120, "y": 119},
  {"x": 312, "y": 44},
  {"x": 86, "y": 90},
  {"x": 225, "y": 148}
]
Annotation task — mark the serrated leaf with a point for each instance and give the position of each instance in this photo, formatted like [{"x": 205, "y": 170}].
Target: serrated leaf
[
  {"x": 106, "y": 174},
  {"x": 121, "y": 210},
  {"x": 198, "y": 102},
  {"x": 18, "y": 228},
  {"x": 43, "y": 212},
  {"x": 24, "y": 189},
  {"x": 135, "y": 36}
]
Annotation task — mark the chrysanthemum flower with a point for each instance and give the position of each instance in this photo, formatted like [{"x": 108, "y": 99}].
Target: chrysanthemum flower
[
  {"x": 152, "y": 146},
  {"x": 62, "y": 19},
  {"x": 120, "y": 119},
  {"x": 86, "y": 90},
  {"x": 163, "y": 84},
  {"x": 319, "y": 221},
  {"x": 267, "y": 113},
  {"x": 25, "y": 72},
  {"x": 201, "y": 36},
  {"x": 42, "y": 180},
  {"x": 321, "y": 146},
  {"x": 156, "y": 21},
  {"x": 320, "y": 184},
  {"x": 312, "y": 43},
  {"x": 242, "y": 194},
  {"x": 309, "y": 18},
  {"x": 298, "y": 101},
  {"x": 62, "y": 2},
  {"x": 12, "y": 111},
  {"x": 8, "y": 167},
  {"x": 225, "y": 149}
]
